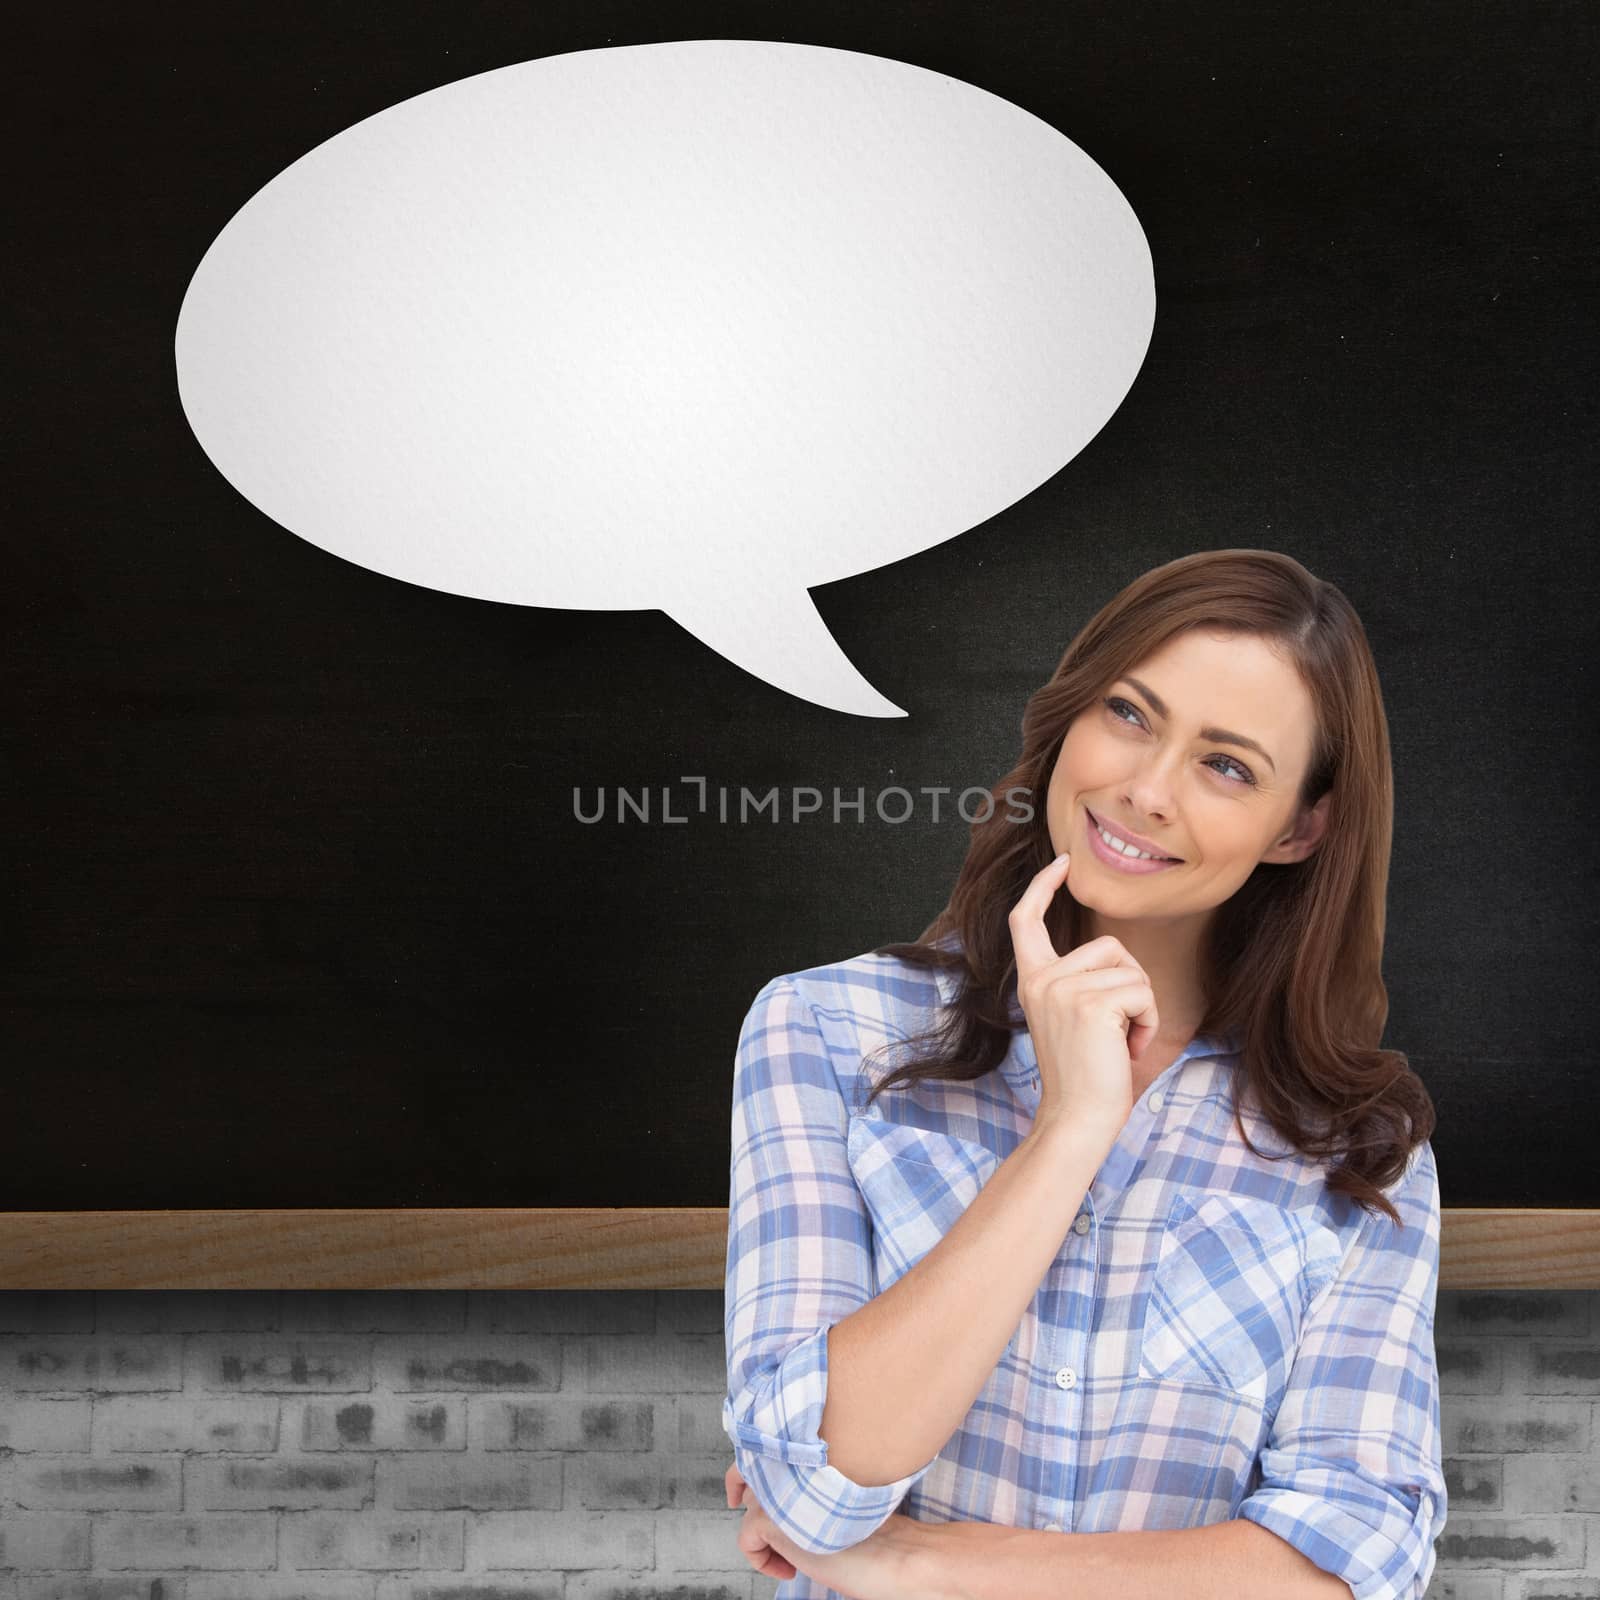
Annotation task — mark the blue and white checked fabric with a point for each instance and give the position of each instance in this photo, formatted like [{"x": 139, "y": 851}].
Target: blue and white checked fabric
[{"x": 1219, "y": 1336}]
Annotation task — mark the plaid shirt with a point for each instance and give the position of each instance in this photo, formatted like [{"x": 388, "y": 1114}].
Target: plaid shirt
[{"x": 1219, "y": 1335}]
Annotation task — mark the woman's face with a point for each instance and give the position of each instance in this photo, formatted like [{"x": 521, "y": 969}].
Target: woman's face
[{"x": 1138, "y": 759}]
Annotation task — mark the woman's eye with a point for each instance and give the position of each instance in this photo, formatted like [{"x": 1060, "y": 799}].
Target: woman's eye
[
  {"x": 1111, "y": 703},
  {"x": 1249, "y": 777}
]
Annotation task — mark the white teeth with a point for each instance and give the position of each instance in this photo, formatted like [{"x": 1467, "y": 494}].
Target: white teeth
[{"x": 1127, "y": 849}]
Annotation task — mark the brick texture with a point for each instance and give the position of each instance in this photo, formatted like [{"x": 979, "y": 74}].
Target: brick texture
[{"x": 568, "y": 1446}]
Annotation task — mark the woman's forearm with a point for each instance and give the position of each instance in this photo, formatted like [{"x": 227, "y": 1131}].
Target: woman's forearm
[
  {"x": 905, "y": 1368},
  {"x": 1234, "y": 1560}
]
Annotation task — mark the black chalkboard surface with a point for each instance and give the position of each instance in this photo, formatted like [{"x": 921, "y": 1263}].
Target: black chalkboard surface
[{"x": 301, "y": 909}]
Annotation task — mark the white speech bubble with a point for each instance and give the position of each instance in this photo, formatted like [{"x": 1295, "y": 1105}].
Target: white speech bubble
[{"x": 696, "y": 325}]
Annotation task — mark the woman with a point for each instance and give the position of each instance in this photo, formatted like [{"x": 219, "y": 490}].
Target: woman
[{"x": 1130, "y": 1278}]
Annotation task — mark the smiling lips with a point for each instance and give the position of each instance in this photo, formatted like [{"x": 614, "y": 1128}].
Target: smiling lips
[{"x": 1115, "y": 858}]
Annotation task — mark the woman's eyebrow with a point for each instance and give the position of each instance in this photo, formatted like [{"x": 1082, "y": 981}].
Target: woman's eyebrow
[{"x": 1217, "y": 735}]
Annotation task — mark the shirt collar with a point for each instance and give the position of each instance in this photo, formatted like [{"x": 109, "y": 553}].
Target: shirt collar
[
  {"x": 1021, "y": 1063},
  {"x": 1201, "y": 1045},
  {"x": 947, "y": 983}
]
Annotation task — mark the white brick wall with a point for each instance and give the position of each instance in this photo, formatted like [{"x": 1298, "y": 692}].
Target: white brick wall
[
  {"x": 567, "y": 1446},
  {"x": 1520, "y": 1380}
]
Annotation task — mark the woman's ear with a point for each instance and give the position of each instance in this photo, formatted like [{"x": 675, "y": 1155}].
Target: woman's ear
[{"x": 1304, "y": 836}]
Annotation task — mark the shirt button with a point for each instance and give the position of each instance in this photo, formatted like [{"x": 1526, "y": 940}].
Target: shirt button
[
  {"x": 1054, "y": 1527},
  {"x": 1066, "y": 1378},
  {"x": 1154, "y": 1102},
  {"x": 1082, "y": 1224}
]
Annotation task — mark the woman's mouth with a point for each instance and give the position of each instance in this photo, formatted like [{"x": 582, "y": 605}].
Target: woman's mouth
[{"x": 1113, "y": 857}]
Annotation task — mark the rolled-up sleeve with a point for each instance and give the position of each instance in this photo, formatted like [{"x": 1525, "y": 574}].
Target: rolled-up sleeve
[
  {"x": 799, "y": 1260},
  {"x": 1351, "y": 1474}
]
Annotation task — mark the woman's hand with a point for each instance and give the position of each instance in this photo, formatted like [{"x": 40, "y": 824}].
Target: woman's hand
[
  {"x": 1080, "y": 1008},
  {"x": 761, "y": 1555},
  {"x": 884, "y": 1566}
]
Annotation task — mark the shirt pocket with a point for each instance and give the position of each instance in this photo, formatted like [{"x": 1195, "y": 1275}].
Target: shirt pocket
[
  {"x": 916, "y": 1184},
  {"x": 1229, "y": 1293}
]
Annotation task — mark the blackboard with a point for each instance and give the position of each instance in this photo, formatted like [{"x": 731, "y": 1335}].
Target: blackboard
[{"x": 301, "y": 913}]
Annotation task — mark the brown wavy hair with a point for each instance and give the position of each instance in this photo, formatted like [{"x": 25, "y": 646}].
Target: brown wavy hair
[{"x": 1292, "y": 962}]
